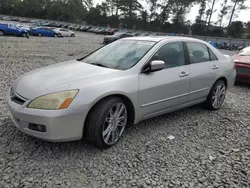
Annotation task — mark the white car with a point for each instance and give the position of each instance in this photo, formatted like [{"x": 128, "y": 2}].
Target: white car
[
  {"x": 25, "y": 27},
  {"x": 64, "y": 32}
]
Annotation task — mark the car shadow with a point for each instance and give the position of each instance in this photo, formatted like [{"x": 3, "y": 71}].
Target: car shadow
[
  {"x": 29, "y": 146},
  {"x": 244, "y": 85}
]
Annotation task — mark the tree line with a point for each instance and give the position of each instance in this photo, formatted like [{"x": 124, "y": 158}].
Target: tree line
[{"x": 162, "y": 16}]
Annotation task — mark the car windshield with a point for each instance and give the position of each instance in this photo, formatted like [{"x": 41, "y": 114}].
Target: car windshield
[
  {"x": 122, "y": 54},
  {"x": 245, "y": 52}
]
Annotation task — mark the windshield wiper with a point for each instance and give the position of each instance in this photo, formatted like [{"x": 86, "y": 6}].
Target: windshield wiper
[{"x": 99, "y": 64}]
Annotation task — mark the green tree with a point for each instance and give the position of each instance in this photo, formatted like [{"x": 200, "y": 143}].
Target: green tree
[
  {"x": 179, "y": 9},
  {"x": 153, "y": 5},
  {"x": 211, "y": 4},
  {"x": 223, "y": 12},
  {"x": 236, "y": 29},
  {"x": 237, "y": 5}
]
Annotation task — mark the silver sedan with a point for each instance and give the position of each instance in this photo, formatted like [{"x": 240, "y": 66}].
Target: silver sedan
[{"x": 120, "y": 84}]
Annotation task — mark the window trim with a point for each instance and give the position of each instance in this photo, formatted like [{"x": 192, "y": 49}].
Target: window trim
[
  {"x": 150, "y": 58},
  {"x": 208, "y": 49}
]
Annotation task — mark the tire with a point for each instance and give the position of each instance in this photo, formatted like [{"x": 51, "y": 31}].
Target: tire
[
  {"x": 59, "y": 34},
  {"x": 24, "y": 35},
  {"x": 39, "y": 34},
  {"x": 217, "y": 93},
  {"x": 101, "y": 128},
  {"x": 72, "y": 35},
  {"x": 1, "y": 33}
]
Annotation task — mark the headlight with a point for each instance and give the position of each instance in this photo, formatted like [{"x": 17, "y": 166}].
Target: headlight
[{"x": 54, "y": 101}]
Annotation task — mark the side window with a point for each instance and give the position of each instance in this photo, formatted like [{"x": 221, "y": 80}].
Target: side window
[
  {"x": 172, "y": 54},
  {"x": 212, "y": 56},
  {"x": 198, "y": 53}
]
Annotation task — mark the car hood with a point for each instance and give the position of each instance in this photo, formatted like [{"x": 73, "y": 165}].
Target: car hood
[
  {"x": 242, "y": 59},
  {"x": 56, "y": 77}
]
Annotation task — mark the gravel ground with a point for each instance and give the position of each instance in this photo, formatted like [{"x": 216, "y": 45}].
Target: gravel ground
[{"x": 209, "y": 149}]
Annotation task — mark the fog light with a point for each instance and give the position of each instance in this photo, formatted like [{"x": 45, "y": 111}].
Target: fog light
[{"x": 36, "y": 127}]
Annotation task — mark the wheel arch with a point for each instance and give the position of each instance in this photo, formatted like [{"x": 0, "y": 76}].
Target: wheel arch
[
  {"x": 223, "y": 79},
  {"x": 125, "y": 98}
]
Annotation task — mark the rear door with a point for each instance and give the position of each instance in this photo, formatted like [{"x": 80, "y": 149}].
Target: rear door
[{"x": 204, "y": 70}]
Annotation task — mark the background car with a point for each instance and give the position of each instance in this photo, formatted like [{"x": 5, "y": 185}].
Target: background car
[
  {"x": 12, "y": 29},
  {"x": 64, "y": 32},
  {"x": 242, "y": 63},
  {"x": 116, "y": 36},
  {"x": 41, "y": 31}
]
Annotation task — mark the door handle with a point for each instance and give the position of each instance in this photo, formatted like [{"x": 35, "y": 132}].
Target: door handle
[
  {"x": 183, "y": 74},
  {"x": 215, "y": 67}
]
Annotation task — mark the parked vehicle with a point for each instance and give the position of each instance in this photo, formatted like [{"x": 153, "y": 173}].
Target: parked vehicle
[
  {"x": 123, "y": 83},
  {"x": 25, "y": 27},
  {"x": 242, "y": 63},
  {"x": 112, "y": 31},
  {"x": 12, "y": 29},
  {"x": 109, "y": 39},
  {"x": 61, "y": 32},
  {"x": 43, "y": 31},
  {"x": 101, "y": 31}
]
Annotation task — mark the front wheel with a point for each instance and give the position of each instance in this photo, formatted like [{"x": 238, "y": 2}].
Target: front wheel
[
  {"x": 106, "y": 122},
  {"x": 72, "y": 35},
  {"x": 216, "y": 96}
]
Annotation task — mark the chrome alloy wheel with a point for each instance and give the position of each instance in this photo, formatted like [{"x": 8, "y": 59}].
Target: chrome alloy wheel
[
  {"x": 219, "y": 95},
  {"x": 115, "y": 123}
]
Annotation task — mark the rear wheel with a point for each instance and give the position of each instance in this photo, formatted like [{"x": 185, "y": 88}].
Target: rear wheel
[
  {"x": 1, "y": 33},
  {"x": 106, "y": 122},
  {"x": 59, "y": 34},
  {"x": 216, "y": 96},
  {"x": 72, "y": 35},
  {"x": 39, "y": 34}
]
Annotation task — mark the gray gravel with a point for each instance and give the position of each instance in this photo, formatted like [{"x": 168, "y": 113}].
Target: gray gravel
[{"x": 209, "y": 149}]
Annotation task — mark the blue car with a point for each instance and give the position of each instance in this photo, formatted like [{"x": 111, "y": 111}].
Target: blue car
[
  {"x": 12, "y": 29},
  {"x": 42, "y": 31},
  {"x": 212, "y": 43}
]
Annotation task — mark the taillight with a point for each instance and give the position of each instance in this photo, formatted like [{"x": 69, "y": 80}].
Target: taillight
[{"x": 234, "y": 66}]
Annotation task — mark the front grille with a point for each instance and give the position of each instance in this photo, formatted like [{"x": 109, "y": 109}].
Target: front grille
[
  {"x": 18, "y": 100},
  {"x": 15, "y": 97},
  {"x": 243, "y": 70}
]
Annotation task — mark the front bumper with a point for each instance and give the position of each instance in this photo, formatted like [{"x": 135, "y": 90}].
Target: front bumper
[{"x": 61, "y": 125}]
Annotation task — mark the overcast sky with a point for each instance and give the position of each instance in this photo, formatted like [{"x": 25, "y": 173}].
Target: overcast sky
[{"x": 243, "y": 15}]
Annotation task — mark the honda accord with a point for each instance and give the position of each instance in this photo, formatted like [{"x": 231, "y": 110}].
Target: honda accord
[{"x": 120, "y": 84}]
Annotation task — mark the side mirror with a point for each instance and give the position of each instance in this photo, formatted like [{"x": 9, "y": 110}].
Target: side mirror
[{"x": 154, "y": 66}]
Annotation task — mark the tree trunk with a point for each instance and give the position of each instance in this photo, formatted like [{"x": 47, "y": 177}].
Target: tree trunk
[
  {"x": 117, "y": 8},
  {"x": 232, "y": 14},
  {"x": 210, "y": 16}
]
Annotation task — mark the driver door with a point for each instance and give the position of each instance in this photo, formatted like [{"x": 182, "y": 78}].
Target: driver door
[{"x": 167, "y": 88}]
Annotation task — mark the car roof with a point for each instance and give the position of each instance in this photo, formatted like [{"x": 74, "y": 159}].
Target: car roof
[{"x": 160, "y": 38}]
